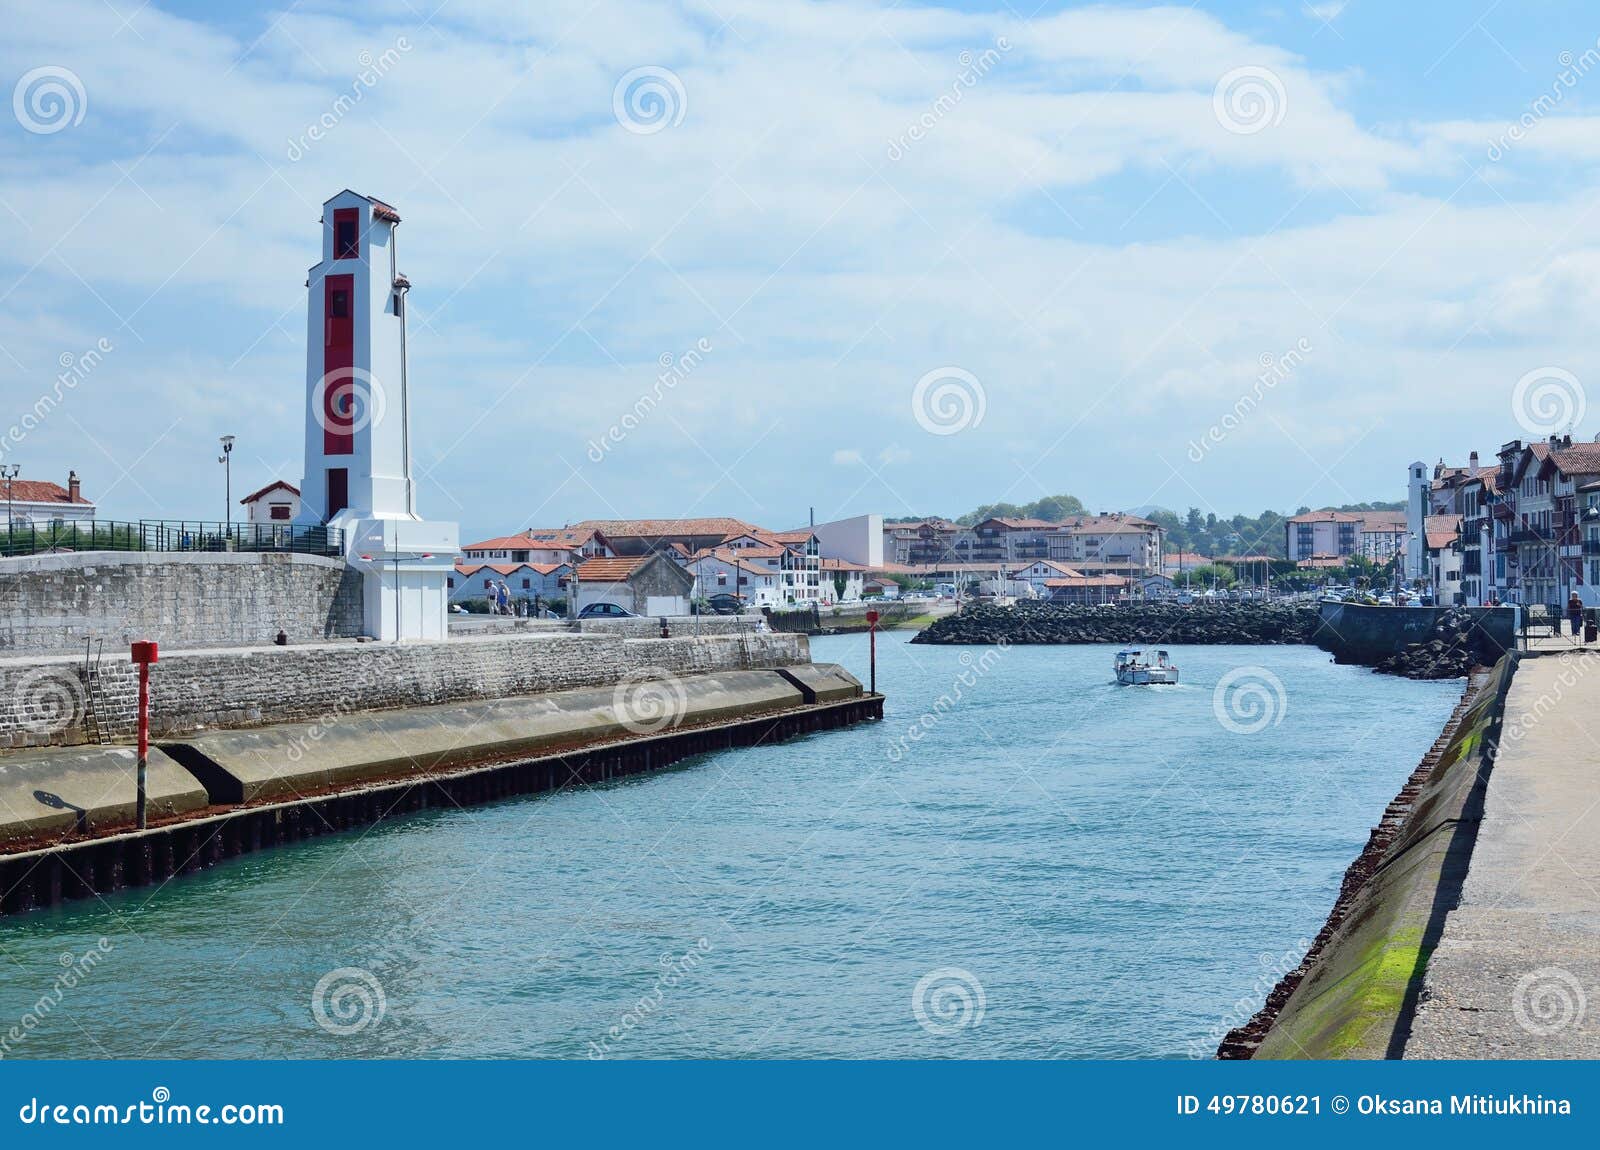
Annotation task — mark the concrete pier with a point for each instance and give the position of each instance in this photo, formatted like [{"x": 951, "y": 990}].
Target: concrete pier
[
  {"x": 1516, "y": 973},
  {"x": 84, "y": 867}
]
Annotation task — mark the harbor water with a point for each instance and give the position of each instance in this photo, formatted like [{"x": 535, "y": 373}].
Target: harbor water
[{"x": 1023, "y": 860}]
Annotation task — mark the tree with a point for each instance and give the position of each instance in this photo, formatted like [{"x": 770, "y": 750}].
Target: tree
[{"x": 1213, "y": 573}]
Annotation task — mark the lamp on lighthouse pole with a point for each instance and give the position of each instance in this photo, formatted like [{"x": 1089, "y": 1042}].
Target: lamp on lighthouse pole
[{"x": 227, "y": 479}]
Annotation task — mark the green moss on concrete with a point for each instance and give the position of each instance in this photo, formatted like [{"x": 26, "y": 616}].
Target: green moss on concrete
[{"x": 1356, "y": 995}]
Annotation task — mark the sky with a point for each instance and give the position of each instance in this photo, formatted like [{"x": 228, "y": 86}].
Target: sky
[{"x": 901, "y": 258}]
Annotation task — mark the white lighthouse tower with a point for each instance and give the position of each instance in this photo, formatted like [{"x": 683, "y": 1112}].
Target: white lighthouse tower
[{"x": 358, "y": 424}]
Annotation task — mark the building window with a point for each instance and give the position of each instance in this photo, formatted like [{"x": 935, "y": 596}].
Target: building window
[
  {"x": 339, "y": 305},
  {"x": 450, "y": 582},
  {"x": 346, "y": 234},
  {"x": 278, "y": 511},
  {"x": 527, "y": 583}
]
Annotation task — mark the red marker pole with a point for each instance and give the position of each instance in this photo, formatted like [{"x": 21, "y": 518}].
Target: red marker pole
[
  {"x": 144, "y": 653},
  {"x": 872, "y": 641}
]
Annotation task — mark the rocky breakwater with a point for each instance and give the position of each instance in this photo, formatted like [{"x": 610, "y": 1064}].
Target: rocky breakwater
[
  {"x": 1456, "y": 645},
  {"x": 1168, "y": 623}
]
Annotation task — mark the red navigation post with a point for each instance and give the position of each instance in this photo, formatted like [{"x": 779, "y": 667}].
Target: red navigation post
[
  {"x": 144, "y": 653},
  {"x": 872, "y": 640}
]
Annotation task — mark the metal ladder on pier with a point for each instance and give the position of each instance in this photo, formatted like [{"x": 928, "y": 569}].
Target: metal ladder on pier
[{"x": 94, "y": 702}]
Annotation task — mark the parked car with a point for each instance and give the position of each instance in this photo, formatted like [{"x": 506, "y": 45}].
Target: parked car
[
  {"x": 606, "y": 611},
  {"x": 726, "y": 603}
]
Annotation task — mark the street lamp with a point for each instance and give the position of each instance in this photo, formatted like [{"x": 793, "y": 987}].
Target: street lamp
[
  {"x": 227, "y": 479},
  {"x": 9, "y": 472}
]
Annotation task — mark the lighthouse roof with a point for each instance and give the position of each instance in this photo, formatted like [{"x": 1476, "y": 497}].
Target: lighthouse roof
[{"x": 380, "y": 209}]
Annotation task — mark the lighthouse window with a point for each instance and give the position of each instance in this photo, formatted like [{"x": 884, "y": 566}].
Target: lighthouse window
[
  {"x": 346, "y": 243},
  {"x": 339, "y": 305},
  {"x": 396, "y": 303}
]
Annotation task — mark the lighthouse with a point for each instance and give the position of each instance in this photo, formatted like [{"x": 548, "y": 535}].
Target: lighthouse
[{"x": 358, "y": 424}]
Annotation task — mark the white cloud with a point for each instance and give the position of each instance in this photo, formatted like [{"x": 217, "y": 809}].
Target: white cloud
[{"x": 556, "y": 256}]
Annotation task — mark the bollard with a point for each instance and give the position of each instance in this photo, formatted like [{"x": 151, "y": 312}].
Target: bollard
[
  {"x": 665, "y": 634},
  {"x": 872, "y": 641},
  {"x": 143, "y": 653}
]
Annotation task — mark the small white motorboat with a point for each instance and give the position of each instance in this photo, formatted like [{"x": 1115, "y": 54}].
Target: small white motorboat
[{"x": 1134, "y": 670}]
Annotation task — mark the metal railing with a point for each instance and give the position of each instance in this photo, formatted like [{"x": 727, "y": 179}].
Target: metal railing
[{"x": 172, "y": 535}]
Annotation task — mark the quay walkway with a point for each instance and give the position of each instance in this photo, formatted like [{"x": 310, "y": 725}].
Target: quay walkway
[{"x": 1516, "y": 973}]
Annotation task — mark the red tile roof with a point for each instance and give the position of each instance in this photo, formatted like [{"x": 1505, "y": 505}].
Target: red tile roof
[
  {"x": 1062, "y": 568},
  {"x": 1117, "y": 523},
  {"x": 1327, "y": 515},
  {"x": 1441, "y": 530},
  {"x": 274, "y": 486},
  {"x": 537, "y": 539},
  {"x": 611, "y": 570},
  {"x": 39, "y": 491},
  {"x": 635, "y": 528}
]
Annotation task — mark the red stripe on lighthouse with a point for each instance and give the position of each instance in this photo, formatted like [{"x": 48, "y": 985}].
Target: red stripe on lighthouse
[{"x": 338, "y": 351}]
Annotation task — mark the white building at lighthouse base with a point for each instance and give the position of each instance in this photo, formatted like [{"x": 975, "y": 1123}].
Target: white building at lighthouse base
[{"x": 406, "y": 566}]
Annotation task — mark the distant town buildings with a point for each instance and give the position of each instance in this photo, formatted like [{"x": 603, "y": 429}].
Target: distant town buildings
[
  {"x": 1106, "y": 544},
  {"x": 1524, "y": 530},
  {"x": 1328, "y": 534}
]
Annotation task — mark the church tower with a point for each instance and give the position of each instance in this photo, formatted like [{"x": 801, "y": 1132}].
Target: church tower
[{"x": 358, "y": 423}]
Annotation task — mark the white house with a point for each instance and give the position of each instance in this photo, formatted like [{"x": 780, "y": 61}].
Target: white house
[
  {"x": 650, "y": 584},
  {"x": 853, "y": 576},
  {"x": 1036, "y": 574},
  {"x": 39, "y": 503},
  {"x": 358, "y": 423},
  {"x": 524, "y": 581},
  {"x": 541, "y": 545},
  {"x": 277, "y": 502},
  {"x": 753, "y": 573}
]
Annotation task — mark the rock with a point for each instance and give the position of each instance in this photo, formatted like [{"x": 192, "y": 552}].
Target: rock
[{"x": 1167, "y": 623}]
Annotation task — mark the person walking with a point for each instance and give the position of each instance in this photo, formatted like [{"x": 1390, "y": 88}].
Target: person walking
[{"x": 1575, "y": 614}]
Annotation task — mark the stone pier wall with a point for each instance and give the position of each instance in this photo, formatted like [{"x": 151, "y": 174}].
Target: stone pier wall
[
  {"x": 52, "y": 603},
  {"x": 1365, "y": 635},
  {"x": 45, "y": 702}
]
